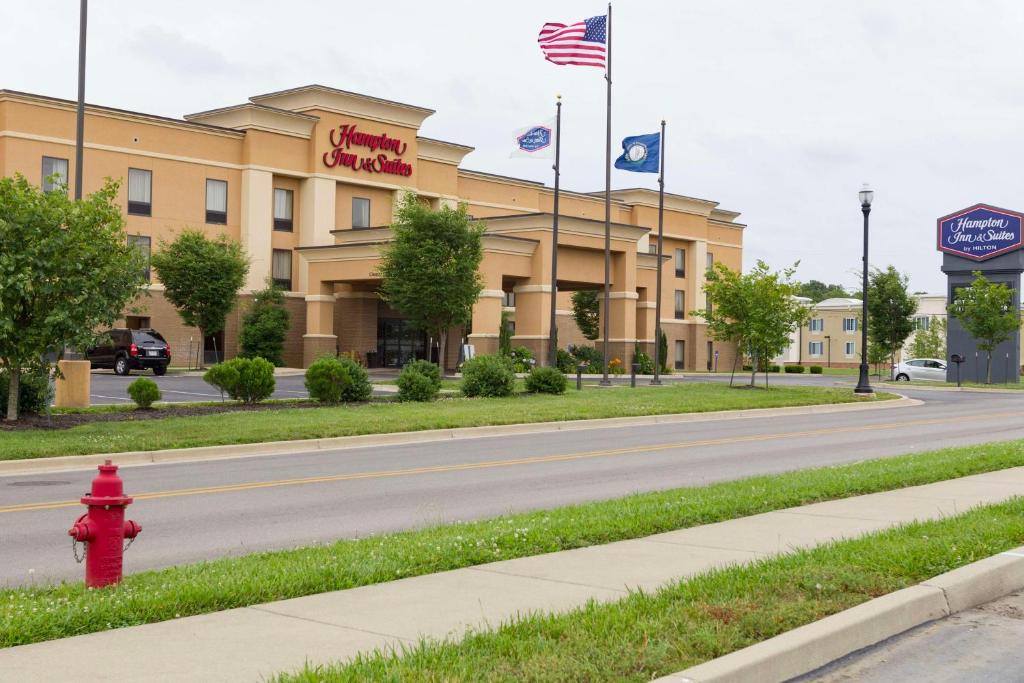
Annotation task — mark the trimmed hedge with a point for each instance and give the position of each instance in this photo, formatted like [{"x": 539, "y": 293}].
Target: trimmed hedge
[
  {"x": 249, "y": 380},
  {"x": 817, "y": 370},
  {"x": 338, "y": 380},
  {"x": 488, "y": 376},
  {"x": 144, "y": 392},
  {"x": 546, "y": 381},
  {"x": 420, "y": 380},
  {"x": 794, "y": 369}
]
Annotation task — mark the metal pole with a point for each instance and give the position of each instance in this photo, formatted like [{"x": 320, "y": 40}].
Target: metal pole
[
  {"x": 80, "y": 123},
  {"x": 661, "y": 255},
  {"x": 608, "y": 204},
  {"x": 863, "y": 383},
  {"x": 553, "y": 332}
]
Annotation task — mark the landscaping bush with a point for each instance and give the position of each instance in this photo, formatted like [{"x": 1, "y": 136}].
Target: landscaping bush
[
  {"x": 34, "y": 391},
  {"x": 817, "y": 370},
  {"x": 488, "y": 376},
  {"x": 265, "y": 326},
  {"x": 249, "y": 380},
  {"x": 546, "y": 381},
  {"x": 521, "y": 359},
  {"x": 616, "y": 367},
  {"x": 419, "y": 381},
  {"x": 566, "y": 362},
  {"x": 589, "y": 356},
  {"x": 794, "y": 369},
  {"x": 748, "y": 368},
  {"x": 144, "y": 392},
  {"x": 774, "y": 368},
  {"x": 645, "y": 362},
  {"x": 338, "y": 380}
]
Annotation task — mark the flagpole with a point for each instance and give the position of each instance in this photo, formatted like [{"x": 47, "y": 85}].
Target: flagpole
[
  {"x": 608, "y": 203},
  {"x": 661, "y": 232},
  {"x": 83, "y": 18},
  {"x": 553, "y": 333}
]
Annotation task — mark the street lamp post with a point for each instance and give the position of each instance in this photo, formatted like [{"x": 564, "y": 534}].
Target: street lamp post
[{"x": 864, "y": 384}]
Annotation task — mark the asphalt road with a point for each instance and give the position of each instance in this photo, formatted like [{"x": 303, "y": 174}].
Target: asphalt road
[
  {"x": 982, "y": 645},
  {"x": 196, "y": 511}
]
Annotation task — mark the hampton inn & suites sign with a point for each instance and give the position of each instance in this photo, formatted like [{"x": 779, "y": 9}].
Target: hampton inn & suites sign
[
  {"x": 380, "y": 148},
  {"x": 980, "y": 232}
]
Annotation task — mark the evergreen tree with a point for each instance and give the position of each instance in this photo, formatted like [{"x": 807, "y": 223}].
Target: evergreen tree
[{"x": 265, "y": 326}]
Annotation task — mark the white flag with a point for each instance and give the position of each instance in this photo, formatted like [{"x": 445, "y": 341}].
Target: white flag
[{"x": 537, "y": 142}]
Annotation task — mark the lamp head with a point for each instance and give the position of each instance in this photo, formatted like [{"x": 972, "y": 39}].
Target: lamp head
[{"x": 866, "y": 195}]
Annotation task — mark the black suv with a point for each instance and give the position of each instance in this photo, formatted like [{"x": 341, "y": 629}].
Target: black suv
[{"x": 127, "y": 350}]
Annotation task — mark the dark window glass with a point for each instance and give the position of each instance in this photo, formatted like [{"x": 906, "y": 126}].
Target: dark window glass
[
  {"x": 283, "y": 209},
  {"x": 216, "y": 201},
  {"x": 140, "y": 192},
  {"x": 281, "y": 268},
  {"x": 680, "y": 263}
]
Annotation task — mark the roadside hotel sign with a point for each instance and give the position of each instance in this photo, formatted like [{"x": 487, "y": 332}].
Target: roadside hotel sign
[
  {"x": 534, "y": 139},
  {"x": 980, "y": 232},
  {"x": 345, "y": 136}
]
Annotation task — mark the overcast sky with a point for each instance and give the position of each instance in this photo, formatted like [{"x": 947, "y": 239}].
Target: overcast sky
[{"x": 778, "y": 110}]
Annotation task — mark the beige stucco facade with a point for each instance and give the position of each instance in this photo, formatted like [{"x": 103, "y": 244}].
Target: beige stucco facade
[{"x": 339, "y": 161}]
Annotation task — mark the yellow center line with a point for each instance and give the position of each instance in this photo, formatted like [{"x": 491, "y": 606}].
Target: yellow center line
[{"x": 535, "y": 460}]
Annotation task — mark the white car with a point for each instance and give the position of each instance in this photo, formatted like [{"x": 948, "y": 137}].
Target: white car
[{"x": 921, "y": 368}]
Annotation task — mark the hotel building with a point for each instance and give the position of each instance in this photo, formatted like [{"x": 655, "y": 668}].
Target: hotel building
[{"x": 307, "y": 181}]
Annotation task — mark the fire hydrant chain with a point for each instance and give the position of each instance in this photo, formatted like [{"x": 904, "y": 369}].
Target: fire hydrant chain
[
  {"x": 74, "y": 550},
  {"x": 128, "y": 544}
]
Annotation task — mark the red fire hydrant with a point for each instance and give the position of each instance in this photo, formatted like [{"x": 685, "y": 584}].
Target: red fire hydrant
[{"x": 103, "y": 529}]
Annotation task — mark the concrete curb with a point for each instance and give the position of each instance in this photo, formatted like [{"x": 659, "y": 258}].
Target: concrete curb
[
  {"x": 918, "y": 387},
  {"x": 811, "y": 647},
  {"x": 176, "y": 455}
]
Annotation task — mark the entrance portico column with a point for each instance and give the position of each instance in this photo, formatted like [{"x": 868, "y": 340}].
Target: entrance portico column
[
  {"x": 533, "y": 320},
  {"x": 487, "y": 316},
  {"x": 319, "y": 339},
  {"x": 622, "y": 300}
]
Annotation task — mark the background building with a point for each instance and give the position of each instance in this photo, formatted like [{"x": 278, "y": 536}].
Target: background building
[{"x": 307, "y": 180}]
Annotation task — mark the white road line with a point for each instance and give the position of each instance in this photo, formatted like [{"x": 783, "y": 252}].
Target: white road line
[
  {"x": 113, "y": 398},
  {"x": 189, "y": 393}
]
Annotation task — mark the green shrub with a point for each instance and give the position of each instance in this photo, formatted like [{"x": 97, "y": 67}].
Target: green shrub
[
  {"x": 144, "y": 392},
  {"x": 546, "y": 381},
  {"x": 420, "y": 380},
  {"x": 488, "y": 376},
  {"x": 645, "y": 362},
  {"x": 505, "y": 335},
  {"x": 747, "y": 368},
  {"x": 338, "y": 380},
  {"x": 774, "y": 368},
  {"x": 522, "y": 358},
  {"x": 589, "y": 356},
  {"x": 566, "y": 362},
  {"x": 817, "y": 370},
  {"x": 265, "y": 326},
  {"x": 249, "y": 380},
  {"x": 34, "y": 391},
  {"x": 794, "y": 369}
]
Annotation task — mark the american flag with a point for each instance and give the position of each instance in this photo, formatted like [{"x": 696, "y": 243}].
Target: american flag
[{"x": 581, "y": 44}]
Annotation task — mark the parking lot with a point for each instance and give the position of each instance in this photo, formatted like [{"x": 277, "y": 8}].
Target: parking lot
[{"x": 108, "y": 388}]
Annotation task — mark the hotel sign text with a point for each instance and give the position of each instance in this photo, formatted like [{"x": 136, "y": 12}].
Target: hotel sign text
[
  {"x": 346, "y": 136},
  {"x": 980, "y": 232}
]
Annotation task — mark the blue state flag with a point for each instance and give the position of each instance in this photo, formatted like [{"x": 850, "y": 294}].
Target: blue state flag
[{"x": 640, "y": 153}]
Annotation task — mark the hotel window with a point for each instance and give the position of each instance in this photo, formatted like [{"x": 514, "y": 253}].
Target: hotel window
[
  {"x": 283, "y": 210},
  {"x": 140, "y": 192},
  {"x": 921, "y": 322},
  {"x": 652, "y": 249},
  {"x": 680, "y": 263},
  {"x": 281, "y": 268},
  {"x": 816, "y": 348},
  {"x": 680, "y": 354},
  {"x": 851, "y": 348},
  {"x": 360, "y": 212},
  {"x": 817, "y": 325},
  {"x": 53, "y": 166},
  {"x": 849, "y": 324},
  {"x": 144, "y": 245},
  {"x": 711, "y": 261},
  {"x": 509, "y": 300},
  {"x": 680, "y": 304},
  {"x": 216, "y": 201}
]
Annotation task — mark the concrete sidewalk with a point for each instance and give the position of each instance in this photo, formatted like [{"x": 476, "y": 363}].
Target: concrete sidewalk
[{"x": 249, "y": 643}]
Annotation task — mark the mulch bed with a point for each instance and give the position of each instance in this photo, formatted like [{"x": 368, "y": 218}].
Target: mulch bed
[{"x": 68, "y": 420}]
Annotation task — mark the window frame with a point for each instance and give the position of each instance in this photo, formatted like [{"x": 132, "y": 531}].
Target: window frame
[
  {"x": 710, "y": 261},
  {"x": 280, "y": 281},
  {"x": 679, "y": 257},
  {"x": 284, "y": 224},
  {"x": 44, "y": 184},
  {"x": 816, "y": 325},
  {"x": 851, "y": 349},
  {"x": 680, "y": 354},
  {"x": 812, "y": 345},
  {"x": 214, "y": 217},
  {"x": 849, "y": 325},
  {"x": 355, "y": 200},
  {"x": 136, "y": 208},
  {"x": 680, "y": 313},
  {"x": 134, "y": 240}
]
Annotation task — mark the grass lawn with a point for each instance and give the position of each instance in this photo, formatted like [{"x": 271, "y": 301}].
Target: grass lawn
[
  {"x": 43, "y": 613},
  {"x": 652, "y": 634},
  {"x": 379, "y": 418}
]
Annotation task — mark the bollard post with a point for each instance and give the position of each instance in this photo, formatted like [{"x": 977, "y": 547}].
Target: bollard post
[
  {"x": 579, "y": 376},
  {"x": 634, "y": 368}
]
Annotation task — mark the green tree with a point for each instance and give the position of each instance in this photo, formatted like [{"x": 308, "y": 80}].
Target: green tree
[
  {"x": 505, "y": 335},
  {"x": 586, "y": 311},
  {"x": 430, "y": 270},
  {"x": 877, "y": 354},
  {"x": 890, "y": 310},
  {"x": 930, "y": 342},
  {"x": 65, "y": 269},
  {"x": 265, "y": 326},
  {"x": 758, "y": 311},
  {"x": 986, "y": 312},
  {"x": 663, "y": 352},
  {"x": 816, "y": 291},
  {"x": 201, "y": 278}
]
